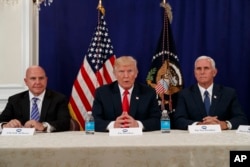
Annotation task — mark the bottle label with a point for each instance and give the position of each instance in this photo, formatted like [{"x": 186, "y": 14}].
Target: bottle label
[
  {"x": 90, "y": 126},
  {"x": 165, "y": 124}
]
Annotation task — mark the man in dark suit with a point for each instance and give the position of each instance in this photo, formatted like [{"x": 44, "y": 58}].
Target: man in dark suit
[
  {"x": 143, "y": 108},
  {"x": 223, "y": 109},
  {"x": 53, "y": 114}
]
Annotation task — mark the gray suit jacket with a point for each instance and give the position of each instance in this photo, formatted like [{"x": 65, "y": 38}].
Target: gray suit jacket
[
  {"x": 54, "y": 109},
  {"x": 143, "y": 106},
  {"x": 190, "y": 107}
]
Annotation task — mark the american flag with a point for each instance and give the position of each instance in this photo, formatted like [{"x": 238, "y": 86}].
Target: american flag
[{"x": 96, "y": 70}]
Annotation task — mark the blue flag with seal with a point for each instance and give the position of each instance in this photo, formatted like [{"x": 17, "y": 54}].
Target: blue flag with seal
[{"x": 165, "y": 75}]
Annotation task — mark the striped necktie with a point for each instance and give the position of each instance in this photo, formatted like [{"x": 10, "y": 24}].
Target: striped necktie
[{"x": 34, "y": 111}]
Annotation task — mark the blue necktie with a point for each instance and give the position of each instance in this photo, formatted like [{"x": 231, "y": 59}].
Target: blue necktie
[
  {"x": 34, "y": 111},
  {"x": 207, "y": 101}
]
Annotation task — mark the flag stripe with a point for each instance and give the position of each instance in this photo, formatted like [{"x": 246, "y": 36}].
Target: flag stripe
[
  {"x": 82, "y": 96},
  {"x": 159, "y": 88},
  {"x": 88, "y": 78},
  {"x": 76, "y": 114},
  {"x": 108, "y": 70}
]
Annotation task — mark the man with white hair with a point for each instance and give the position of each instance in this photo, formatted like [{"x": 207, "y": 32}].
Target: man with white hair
[{"x": 207, "y": 103}]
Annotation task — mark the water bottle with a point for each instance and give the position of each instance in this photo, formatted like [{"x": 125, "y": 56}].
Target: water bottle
[
  {"x": 165, "y": 122},
  {"x": 90, "y": 124}
]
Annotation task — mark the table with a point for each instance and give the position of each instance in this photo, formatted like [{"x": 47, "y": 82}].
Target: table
[{"x": 75, "y": 149}]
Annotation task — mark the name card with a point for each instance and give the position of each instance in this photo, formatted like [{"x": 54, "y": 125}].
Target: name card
[
  {"x": 243, "y": 129},
  {"x": 204, "y": 128},
  {"x": 125, "y": 131},
  {"x": 18, "y": 131}
]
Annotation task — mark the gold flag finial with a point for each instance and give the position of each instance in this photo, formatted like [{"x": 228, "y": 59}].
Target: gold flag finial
[
  {"x": 168, "y": 9},
  {"x": 101, "y": 8}
]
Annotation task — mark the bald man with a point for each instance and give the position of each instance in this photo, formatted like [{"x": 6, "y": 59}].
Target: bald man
[{"x": 53, "y": 114}]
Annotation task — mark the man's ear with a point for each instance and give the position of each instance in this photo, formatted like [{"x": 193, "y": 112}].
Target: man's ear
[{"x": 215, "y": 72}]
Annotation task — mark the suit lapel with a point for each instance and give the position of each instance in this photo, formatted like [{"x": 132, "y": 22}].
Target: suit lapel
[
  {"x": 215, "y": 98},
  {"x": 45, "y": 105},
  {"x": 116, "y": 97},
  {"x": 25, "y": 106},
  {"x": 199, "y": 100},
  {"x": 134, "y": 99}
]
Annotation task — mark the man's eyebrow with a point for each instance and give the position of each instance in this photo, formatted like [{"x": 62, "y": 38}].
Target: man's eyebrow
[{"x": 40, "y": 77}]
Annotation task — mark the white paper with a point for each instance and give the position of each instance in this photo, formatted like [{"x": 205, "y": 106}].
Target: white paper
[
  {"x": 204, "y": 128},
  {"x": 18, "y": 131},
  {"x": 125, "y": 131},
  {"x": 243, "y": 129}
]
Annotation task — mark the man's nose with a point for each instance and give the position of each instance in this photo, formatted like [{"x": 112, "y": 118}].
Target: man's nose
[
  {"x": 37, "y": 80},
  {"x": 202, "y": 70},
  {"x": 125, "y": 74}
]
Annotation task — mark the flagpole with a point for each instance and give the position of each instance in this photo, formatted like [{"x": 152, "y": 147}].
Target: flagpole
[
  {"x": 166, "y": 51},
  {"x": 165, "y": 74},
  {"x": 101, "y": 12}
]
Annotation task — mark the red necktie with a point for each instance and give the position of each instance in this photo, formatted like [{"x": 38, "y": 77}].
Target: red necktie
[{"x": 125, "y": 103}]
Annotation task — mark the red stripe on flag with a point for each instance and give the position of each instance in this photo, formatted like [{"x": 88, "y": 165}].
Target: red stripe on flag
[
  {"x": 159, "y": 88},
  {"x": 107, "y": 71},
  {"x": 88, "y": 81},
  {"x": 106, "y": 74},
  {"x": 99, "y": 77},
  {"x": 112, "y": 59},
  {"x": 82, "y": 96}
]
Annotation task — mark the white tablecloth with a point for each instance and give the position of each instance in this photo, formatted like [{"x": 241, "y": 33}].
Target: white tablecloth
[{"x": 73, "y": 149}]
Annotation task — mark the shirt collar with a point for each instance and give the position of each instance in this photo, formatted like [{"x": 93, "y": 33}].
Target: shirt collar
[
  {"x": 122, "y": 89},
  {"x": 40, "y": 97},
  {"x": 209, "y": 89}
]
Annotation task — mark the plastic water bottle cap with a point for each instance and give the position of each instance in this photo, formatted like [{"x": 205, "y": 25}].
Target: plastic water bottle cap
[{"x": 165, "y": 111}]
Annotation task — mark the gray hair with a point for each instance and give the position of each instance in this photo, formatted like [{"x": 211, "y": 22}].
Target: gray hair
[
  {"x": 203, "y": 57},
  {"x": 125, "y": 60}
]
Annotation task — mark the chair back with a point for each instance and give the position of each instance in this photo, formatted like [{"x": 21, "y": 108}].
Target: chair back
[{"x": 74, "y": 125}]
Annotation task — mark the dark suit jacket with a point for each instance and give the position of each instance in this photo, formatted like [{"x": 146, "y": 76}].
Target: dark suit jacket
[
  {"x": 190, "y": 107},
  {"x": 54, "y": 109},
  {"x": 143, "y": 106}
]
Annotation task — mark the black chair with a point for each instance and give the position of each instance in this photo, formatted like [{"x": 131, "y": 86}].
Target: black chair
[{"x": 74, "y": 125}]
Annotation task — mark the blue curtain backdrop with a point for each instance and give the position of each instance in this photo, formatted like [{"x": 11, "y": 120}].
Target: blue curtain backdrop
[{"x": 218, "y": 28}]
